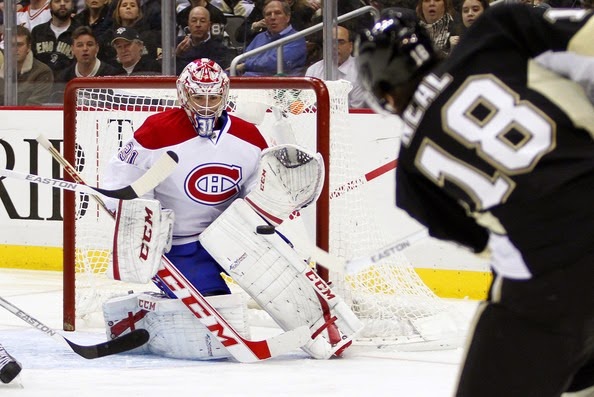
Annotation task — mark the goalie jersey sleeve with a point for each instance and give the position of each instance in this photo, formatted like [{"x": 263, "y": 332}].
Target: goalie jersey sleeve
[
  {"x": 211, "y": 173},
  {"x": 495, "y": 145}
]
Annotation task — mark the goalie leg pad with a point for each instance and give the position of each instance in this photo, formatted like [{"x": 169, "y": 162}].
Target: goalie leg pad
[
  {"x": 281, "y": 282},
  {"x": 174, "y": 331}
]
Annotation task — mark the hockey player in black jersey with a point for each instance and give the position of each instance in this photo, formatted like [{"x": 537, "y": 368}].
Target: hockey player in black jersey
[{"x": 497, "y": 154}]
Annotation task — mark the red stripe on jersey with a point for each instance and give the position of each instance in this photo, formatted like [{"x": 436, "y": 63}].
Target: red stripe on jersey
[
  {"x": 247, "y": 132},
  {"x": 164, "y": 129},
  {"x": 173, "y": 127}
]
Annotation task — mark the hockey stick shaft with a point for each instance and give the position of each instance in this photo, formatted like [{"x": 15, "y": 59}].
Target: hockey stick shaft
[
  {"x": 358, "y": 182},
  {"x": 126, "y": 193},
  {"x": 160, "y": 170},
  {"x": 339, "y": 265},
  {"x": 241, "y": 349},
  {"x": 124, "y": 343}
]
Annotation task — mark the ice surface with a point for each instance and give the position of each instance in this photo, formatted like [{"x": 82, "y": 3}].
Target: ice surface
[{"x": 50, "y": 369}]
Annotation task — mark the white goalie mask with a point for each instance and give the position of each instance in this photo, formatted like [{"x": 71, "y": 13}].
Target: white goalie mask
[{"x": 203, "y": 90}]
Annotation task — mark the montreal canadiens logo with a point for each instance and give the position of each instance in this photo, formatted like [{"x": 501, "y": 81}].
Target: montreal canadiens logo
[{"x": 213, "y": 184}]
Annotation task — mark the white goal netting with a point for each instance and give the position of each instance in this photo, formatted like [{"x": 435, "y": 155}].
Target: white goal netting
[{"x": 396, "y": 306}]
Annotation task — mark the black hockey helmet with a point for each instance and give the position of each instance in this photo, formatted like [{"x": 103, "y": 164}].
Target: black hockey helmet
[{"x": 393, "y": 52}]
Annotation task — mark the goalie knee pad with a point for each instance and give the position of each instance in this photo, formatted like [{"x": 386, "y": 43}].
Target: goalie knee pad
[
  {"x": 281, "y": 282},
  {"x": 174, "y": 331}
]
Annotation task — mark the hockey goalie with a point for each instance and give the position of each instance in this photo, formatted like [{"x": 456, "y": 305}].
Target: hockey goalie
[
  {"x": 218, "y": 232},
  {"x": 243, "y": 240}
]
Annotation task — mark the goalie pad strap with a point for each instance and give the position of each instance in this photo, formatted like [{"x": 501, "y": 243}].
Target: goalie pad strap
[{"x": 324, "y": 326}]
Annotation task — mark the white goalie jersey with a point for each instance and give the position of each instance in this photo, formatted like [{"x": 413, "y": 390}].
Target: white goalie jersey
[
  {"x": 211, "y": 172},
  {"x": 243, "y": 241}
]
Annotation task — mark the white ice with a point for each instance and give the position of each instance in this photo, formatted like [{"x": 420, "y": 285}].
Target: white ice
[{"x": 50, "y": 369}]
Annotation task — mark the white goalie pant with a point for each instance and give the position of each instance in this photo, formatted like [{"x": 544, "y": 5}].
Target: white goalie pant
[
  {"x": 280, "y": 281},
  {"x": 174, "y": 331}
]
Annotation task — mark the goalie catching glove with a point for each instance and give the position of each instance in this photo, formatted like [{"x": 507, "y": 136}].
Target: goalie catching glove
[
  {"x": 143, "y": 233},
  {"x": 291, "y": 178}
]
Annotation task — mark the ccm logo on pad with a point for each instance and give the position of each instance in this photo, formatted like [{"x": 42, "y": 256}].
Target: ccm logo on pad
[{"x": 147, "y": 235}]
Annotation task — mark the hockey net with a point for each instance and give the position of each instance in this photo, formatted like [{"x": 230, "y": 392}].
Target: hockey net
[{"x": 102, "y": 113}]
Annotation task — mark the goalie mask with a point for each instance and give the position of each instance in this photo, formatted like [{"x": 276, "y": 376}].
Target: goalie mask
[
  {"x": 395, "y": 51},
  {"x": 202, "y": 90}
]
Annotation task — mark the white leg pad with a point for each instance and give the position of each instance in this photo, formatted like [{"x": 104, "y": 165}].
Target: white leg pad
[
  {"x": 175, "y": 332},
  {"x": 280, "y": 281}
]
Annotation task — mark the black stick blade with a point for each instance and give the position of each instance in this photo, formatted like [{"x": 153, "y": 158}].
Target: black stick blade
[{"x": 121, "y": 344}]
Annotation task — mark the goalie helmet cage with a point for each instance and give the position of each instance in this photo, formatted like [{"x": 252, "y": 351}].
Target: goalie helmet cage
[{"x": 101, "y": 113}]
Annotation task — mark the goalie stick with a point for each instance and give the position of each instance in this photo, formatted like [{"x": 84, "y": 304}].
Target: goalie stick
[
  {"x": 162, "y": 168},
  {"x": 124, "y": 343},
  {"x": 356, "y": 183},
  {"x": 243, "y": 350},
  {"x": 355, "y": 265},
  {"x": 135, "y": 190}
]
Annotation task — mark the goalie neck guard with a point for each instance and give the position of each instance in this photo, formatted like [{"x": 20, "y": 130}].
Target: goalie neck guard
[{"x": 203, "y": 90}]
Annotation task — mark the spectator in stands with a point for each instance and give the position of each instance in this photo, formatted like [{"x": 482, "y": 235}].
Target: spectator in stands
[
  {"x": 301, "y": 14},
  {"x": 51, "y": 42},
  {"x": 129, "y": 49},
  {"x": 301, "y": 18},
  {"x": 356, "y": 25},
  {"x": 200, "y": 43},
  {"x": 151, "y": 10},
  {"x": 96, "y": 16},
  {"x": 128, "y": 14},
  {"x": 471, "y": 10},
  {"x": 34, "y": 78},
  {"x": 347, "y": 70},
  {"x": 253, "y": 25},
  {"x": 437, "y": 17},
  {"x": 85, "y": 48},
  {"x": 34, "y": 13},
  {"x": 217, "y": 19},
  {"x": 277, "y": 14}
]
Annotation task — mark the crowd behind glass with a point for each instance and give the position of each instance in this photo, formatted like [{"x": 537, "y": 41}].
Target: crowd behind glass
[{"x": 58, "y": 40}]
